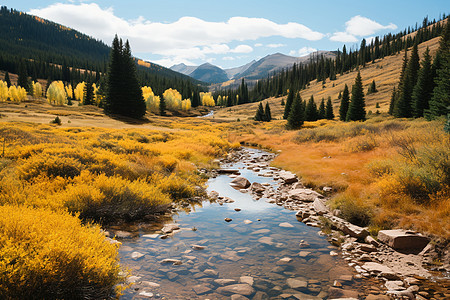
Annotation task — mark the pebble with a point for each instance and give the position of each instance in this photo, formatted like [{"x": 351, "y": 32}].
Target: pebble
[{"x": 228, "y": 219}]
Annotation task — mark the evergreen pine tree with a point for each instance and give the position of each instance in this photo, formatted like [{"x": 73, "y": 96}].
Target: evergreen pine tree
[
  {"x": 440, "y": 101},
  {"x": 88, "y": 94},
  {"x": 372, "y": 88},
  {"x": 7, "y": 80},
  {"x": 311, "y": 110},
  {"x": 392, "y": 102},
  {"x": 321, "y": 113},
  {"x": 423, "y": 90},
  {"x": 195, "y": 99},
  {"x": 124, "y": 94},
  {"x": 345, "y": 101},
  {"x": 289, "y": 101},
  {"x": 393, "y": 106},
  {"x": 340, "y": 95},
  {"x": 259, "y": 116},
  {"x": 329, "y": 114},
  {"x": 297, "y": 114},
  {"x": 162, "y": 106},
  {"x": 404, "y": 108},
  {"x": 356, "y": 109},
  {"x": 23, "y": 76},
  {"x": 267, "y": 113}
]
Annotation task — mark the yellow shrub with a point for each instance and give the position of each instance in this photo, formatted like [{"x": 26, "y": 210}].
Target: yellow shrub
[
  {"x": 4, "y": 91},
  {"x": 50, "y": 255}
]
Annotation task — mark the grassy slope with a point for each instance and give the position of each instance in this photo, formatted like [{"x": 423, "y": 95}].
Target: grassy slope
[{"x": 385, "y": 72}]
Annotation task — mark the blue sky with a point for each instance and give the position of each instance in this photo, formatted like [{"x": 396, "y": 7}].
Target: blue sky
[{"x": 231, "y": 33}]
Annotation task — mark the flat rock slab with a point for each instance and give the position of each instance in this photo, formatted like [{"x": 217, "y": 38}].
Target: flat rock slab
[
  {"x": 286, "y": 225},
  {"x": 296, "y": 283},
  {"x": 305, "y": 195},
  {"x": 201, "y": 289},
  {"x": 319, "y": 206},
  {"x": 240, "y": 288},
  {"x": 223, "y": 282},
  {"x": 169, "y": 228},
  {"x": 288, "y": 177},
  {"x": 400, "y": 239},
  {"x": 374, "y": 267}
]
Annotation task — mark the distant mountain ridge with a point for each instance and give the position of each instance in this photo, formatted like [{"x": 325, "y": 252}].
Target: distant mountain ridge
[{"x": 253, "y": 70}]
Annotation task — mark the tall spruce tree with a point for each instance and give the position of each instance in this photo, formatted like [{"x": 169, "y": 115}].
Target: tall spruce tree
[
  {"x": 22, "y": 80},
  {"x": 195, "y": 99},
  {"x": 321, "y": 112},
  {"x": 259, "y": 116},
  {"x": 267, "y": 113},
  {"x": 404, "y": 107},
  {"x": 297, "y": 114},
  {"x": 88, "y": 94},
  {"x": 423, "y": 90},
  {"x": 357, "y": 107},
  {"x": 396, "y": 94},
  {"x": 7, "y": 80},
  {"x": 345, "y": 102},
  {"x": 440, "y": 101},
  {"x": 311, "y": 113},
  {"x": 162, "y": 106},
  {"x": 392, "y": 102},
  {"x": 329, "y": 114},
  {"x": 124, "y": 94},
  {"x": 289, "y": 101}
]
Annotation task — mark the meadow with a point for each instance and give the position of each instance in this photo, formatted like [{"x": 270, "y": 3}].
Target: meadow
[
  {"x": 385, "y": 172},
  {"x": 58, "y": 182}
]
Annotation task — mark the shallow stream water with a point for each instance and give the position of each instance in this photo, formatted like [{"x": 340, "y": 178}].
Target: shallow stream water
[{"x": 252, "y": 244}]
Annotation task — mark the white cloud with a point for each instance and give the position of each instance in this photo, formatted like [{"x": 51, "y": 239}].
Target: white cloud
[
  {"x": 359, "y": 26},
  {"x": 362, "y": 26},
  {"x": 302, "y": 51},
  {"x": 228, "y": 58},
  {"x": 343, "y": 37},
  {"x": 276, "y": 45},
  {"x": 258, "y": 45},
  {"x": 172, "y": 39}
]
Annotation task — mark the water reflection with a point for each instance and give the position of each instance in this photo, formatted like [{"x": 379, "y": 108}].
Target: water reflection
[{"x": 252, "y": 244}]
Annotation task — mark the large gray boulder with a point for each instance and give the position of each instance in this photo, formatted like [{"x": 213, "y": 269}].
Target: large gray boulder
[
  {"x": 240, "y": 182},
  {"x": 400, "y": 239},
  {"x": 305, "y": 195},
  {"x": 288, "y": 177}
]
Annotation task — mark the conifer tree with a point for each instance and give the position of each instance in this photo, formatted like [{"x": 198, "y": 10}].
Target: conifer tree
[
  {"x": 321, "y": 113},
  {"x": 260, "y": 113},
  {"x": 345, "y": 101},
  {"x": 372, "y": 88},
  {"x": 195, "y": 99},
  {"x": 289, "y": 101},
  {"x": 356, "y": 109},
  {"x": 423, "y": 90},
  {"x": 88, "y": 94},
  {"x": 311, "y": 110},
  {"x": 124, "y": 94},
  {"x": 392, "y": 102},
  {"x": 297, "y": 114},
  {"x": 393, "y": 106},
  {"x": 404, "y": 108},
  {"x": 440, "y": 101},
  {"x": 7, "y": 80},
  {"x": 162, "y": 106},
  {"x": 23, "y": 76},
  {"x": 267, "y": 113},
  {"x": 329, "y": 114}
]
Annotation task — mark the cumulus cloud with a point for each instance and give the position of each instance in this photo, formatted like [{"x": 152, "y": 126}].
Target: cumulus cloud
[
  {"x": 170, "y": 39},
  {"x": 359, "y": 26},
  {"x": 276, "y": 45},
  {"x": 302, "y": 51},
  {"x": 258, "y": 45}
]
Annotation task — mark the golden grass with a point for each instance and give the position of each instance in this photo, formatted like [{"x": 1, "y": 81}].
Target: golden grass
[{"x": 386, "y": 172}]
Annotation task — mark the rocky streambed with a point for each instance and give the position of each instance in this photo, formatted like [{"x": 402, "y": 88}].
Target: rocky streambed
[{"x": 259, "y": 237}]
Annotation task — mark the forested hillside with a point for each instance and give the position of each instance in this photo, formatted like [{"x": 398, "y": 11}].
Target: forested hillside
[{"x": 52, "y": 51}]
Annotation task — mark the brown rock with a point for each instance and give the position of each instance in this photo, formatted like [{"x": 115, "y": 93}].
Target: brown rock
[
  {"x": 241, "y": 289},
  {"x": 400, "y": 239},
  {"x": 201, "y": 289},
  {"x": 335, "y": 293},
  {"x": 240, "y": 182}
]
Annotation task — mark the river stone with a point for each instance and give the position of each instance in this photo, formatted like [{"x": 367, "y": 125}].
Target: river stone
[
  {"x": 146, "y": 294},
  {"x": 248, "y": 222},
  {"x": 211, "y": 272},
  {"x": 169, "y": 228},
  {"x": 257, "y": 188},
  {"x": 285, "y": 260},
  {"x": 133, "y": 279},
  {"x": 228, "y": 219},
  {"x": 198, "y": 247},
  {"x": 305, "y": 195},
  {"x": 377, "y": 297},
  {"x": 238, "y": 297},
  {"x": 201, "y": 289},
  {"x": 240, "y": 182},
  {"x": 120, "y": 234},
  {"x": 137, "y": 255},
  {"x": 377, "y": 268},
  {"x": 337, "y": 293},
  {"x": 396, "y": 285},
  {"x": 260, "y": 231},
  {"x": 302, "y": 296},
  {"x": 320, "y": 207},
  {"x": 223, "y": 282},
  {"x": 259, "y": 295},
  {"x": 266, "y": 240},
  {"x": 246, "y": 279},
  {"x": 400, "y": 239},
  {"x": 151, "y": 236},
  {"x": 286, "y": 225},
  {"x": 151, "y": 284},
  {"x": 240, "y": 288},
  {"x": 296, "y": 283},
  {"x": 171, "y": 261},
  {"x": 304, "y": 253},
  {"x": 288, "y": 177}
]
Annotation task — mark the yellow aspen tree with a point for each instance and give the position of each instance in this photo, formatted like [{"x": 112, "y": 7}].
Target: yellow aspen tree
[
  {"x": 4, "y": 91},
  {"x": 56, "y": 93},
  {"x": 207, "y": 99},
  {"x": 186, "y": 104},
  {"x": 79, "y": 91},
  {"x": 37, "y": 89},
  {"x": 151, "y": 101},
  {"x": 69, "y": 91},
  {"x": 172, "y": 98}
]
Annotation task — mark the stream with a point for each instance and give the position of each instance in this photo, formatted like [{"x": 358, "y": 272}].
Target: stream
[{"x": 262, "y": 253}]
